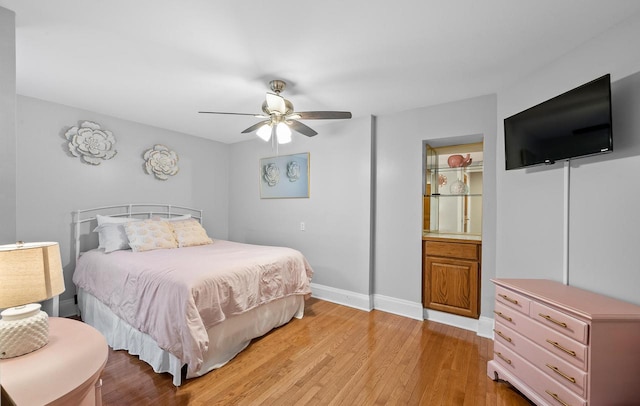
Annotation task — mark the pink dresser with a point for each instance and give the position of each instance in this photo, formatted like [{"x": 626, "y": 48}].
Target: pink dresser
[{"x": 560, "y": 345}]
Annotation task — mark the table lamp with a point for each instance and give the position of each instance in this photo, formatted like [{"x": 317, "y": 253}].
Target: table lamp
[{"x": 29, "y": 272}]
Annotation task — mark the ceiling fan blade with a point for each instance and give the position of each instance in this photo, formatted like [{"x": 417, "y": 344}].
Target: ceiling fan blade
[
  {"x": 235, "y": 114},
  {"x": 323, "y": 115},
  {"x": 301, "y": 128},
  {"x": 276, "y": 103},
  {"x": 256, "y": 126}
]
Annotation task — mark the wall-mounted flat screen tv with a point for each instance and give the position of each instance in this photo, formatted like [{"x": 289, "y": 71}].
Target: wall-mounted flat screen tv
[{"x": 574, "y": 124}]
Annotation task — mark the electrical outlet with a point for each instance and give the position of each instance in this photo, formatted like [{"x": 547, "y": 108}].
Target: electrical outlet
[{"x": 302, "y": 226}]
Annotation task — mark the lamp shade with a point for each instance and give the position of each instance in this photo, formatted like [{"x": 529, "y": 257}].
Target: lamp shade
[{"x": 29, "y": 272}]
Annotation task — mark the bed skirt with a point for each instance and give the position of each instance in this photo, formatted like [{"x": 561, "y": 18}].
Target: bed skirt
[{"x": 226, "y": 339}]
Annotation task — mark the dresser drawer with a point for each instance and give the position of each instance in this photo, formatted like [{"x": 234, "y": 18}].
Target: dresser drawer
[
  {"x": 552, "y": 391},
  {"x": 509, "y": 317},
  {"x": 558, "y": 344},
  {"x": 566, "y": 374},
  {"x": 452, "y": 250},
  {"x": 554, "y": 342},
  {"x": 509, "y": 338},
  {"x": 561, "y": 322},
  {"x": 513, "y": 300}
]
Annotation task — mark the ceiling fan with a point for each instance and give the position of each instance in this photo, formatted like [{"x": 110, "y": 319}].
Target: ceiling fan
[{"x": 280, "y": 118}]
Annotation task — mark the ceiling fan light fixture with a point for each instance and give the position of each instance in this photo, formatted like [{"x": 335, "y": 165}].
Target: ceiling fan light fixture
[
  {"x": 264, "y": 132},
  {"x": 283, "y": 132},
  {"x": 281, "y": 119}
]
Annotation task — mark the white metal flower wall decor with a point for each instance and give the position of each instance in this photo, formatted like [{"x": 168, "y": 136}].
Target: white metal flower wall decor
[
  {"x": 91, "y": 143},
  {"x": 271, "y": 174},
  {"x": 161, "y": 162},
  {"x": 293, "y": 171}
]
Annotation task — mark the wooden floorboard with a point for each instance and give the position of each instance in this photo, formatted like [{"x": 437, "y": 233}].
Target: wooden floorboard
[{"x": 335, "y": 355}]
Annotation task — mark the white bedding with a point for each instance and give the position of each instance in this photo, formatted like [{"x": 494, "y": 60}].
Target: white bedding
[
  {"x": 226, "y": 339},
  {"x": 176, "y": 296}
]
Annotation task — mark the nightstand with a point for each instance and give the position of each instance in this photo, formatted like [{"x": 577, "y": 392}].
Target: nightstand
[{"x": 66, "y": 371}]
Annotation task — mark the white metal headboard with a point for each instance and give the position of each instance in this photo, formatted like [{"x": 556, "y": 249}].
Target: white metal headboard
[{"x": 135, "y": 210}]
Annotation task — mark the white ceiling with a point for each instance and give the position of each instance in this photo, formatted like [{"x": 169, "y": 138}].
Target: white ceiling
[{"x": 159, "y": 62}]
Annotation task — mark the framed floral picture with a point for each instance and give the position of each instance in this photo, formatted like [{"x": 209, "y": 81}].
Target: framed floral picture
[{"x": 285, "y": 176}]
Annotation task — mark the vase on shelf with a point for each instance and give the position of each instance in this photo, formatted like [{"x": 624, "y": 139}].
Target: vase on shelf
[{"x": 458, "y": 188}]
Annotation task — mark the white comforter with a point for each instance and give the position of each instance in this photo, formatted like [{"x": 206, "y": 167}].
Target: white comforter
[{"x": 175, "y": 295}]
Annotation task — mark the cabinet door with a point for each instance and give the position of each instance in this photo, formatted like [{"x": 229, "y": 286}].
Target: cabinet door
[{"x": 451, "y": 285}]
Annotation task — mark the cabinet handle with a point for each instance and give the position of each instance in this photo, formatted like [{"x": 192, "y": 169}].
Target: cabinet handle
[
  {"x": 562, "y": 374},
  {"x": 557, "y": 398},
  {"x": 505, "y": 359},
  {"x": 507, "y": 298},
  {"x": 498, "y": 332},
  {"x": 558, "y": 346},
  {"x": 551, "y": 319},
  {"x": 507, "y": 318}
]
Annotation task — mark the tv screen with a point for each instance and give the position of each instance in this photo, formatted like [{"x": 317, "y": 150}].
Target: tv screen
[{"x": 574, "y": 124}]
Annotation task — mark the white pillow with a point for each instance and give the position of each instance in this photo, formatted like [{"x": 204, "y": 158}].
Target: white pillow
[
  {"x": 150, "y": 235},
  {"x": 112, "y": 237},
  {"x": 111, "y": 233},
  {"x": 176, "y": 218},
  {"x": 190, "y": 233},
  {"x": 109, "y": 219}
]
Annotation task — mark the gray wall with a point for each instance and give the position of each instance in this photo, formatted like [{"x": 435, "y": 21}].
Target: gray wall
[
  {"x": 336, "y": 215},
  {"x": 525, "y": 240},
  {"x": 51, "y": 183},
  {"x": 398, "y": 249},
  {"x": 7, "y": 127},
  {"x": 604, "y": 194}
]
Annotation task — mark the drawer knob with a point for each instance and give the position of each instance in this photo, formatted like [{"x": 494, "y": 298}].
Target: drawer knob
[
  {"x": 508, "y": 299},
  {"x": 557, "y": 398},
  {"x": 505, "y": 359},
  {"x": 551, "y": 319},
  {"x": 558, "y": 346},
  {"x": 562, "y": 374},
  {"x": 504, "y": 316},
  {"x": 501, "y": 334}
]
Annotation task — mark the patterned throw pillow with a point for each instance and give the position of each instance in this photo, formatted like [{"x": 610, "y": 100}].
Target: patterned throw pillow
[
  {"x": 189, "y": 233},
  {"x": 150, "y": 235}
]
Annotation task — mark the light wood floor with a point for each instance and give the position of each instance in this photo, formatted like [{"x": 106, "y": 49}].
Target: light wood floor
[{"x": 335, "y": 355}]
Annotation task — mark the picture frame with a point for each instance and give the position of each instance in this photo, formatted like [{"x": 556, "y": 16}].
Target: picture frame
[{"x": 285, "y": 176}]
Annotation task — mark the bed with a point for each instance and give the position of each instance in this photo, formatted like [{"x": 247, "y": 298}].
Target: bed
[{"x": 185, "y": 306}]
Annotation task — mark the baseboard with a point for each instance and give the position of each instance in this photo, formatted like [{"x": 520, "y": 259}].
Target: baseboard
[
  {"x": 485, "y": 327},
  {"x": 400, "y": 307},
  {"x": 360, "y": 301},
  {"x": 482, "y": 326},
  {"x": 341, "y": 296},
  {"x": 68, "y": 308}
]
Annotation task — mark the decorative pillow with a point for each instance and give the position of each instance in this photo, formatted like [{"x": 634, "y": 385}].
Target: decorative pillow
[
  {"x": 111, "y": 234},
  {"x": 189, "y": 233},
  {"x": 150, "y": 235}
]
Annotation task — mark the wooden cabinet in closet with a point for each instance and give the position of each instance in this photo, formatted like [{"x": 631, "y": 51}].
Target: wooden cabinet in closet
[{"x": 451, "y": 275}]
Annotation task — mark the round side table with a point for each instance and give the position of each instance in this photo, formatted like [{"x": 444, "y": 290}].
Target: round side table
[{"x": 66, "y": 371}]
